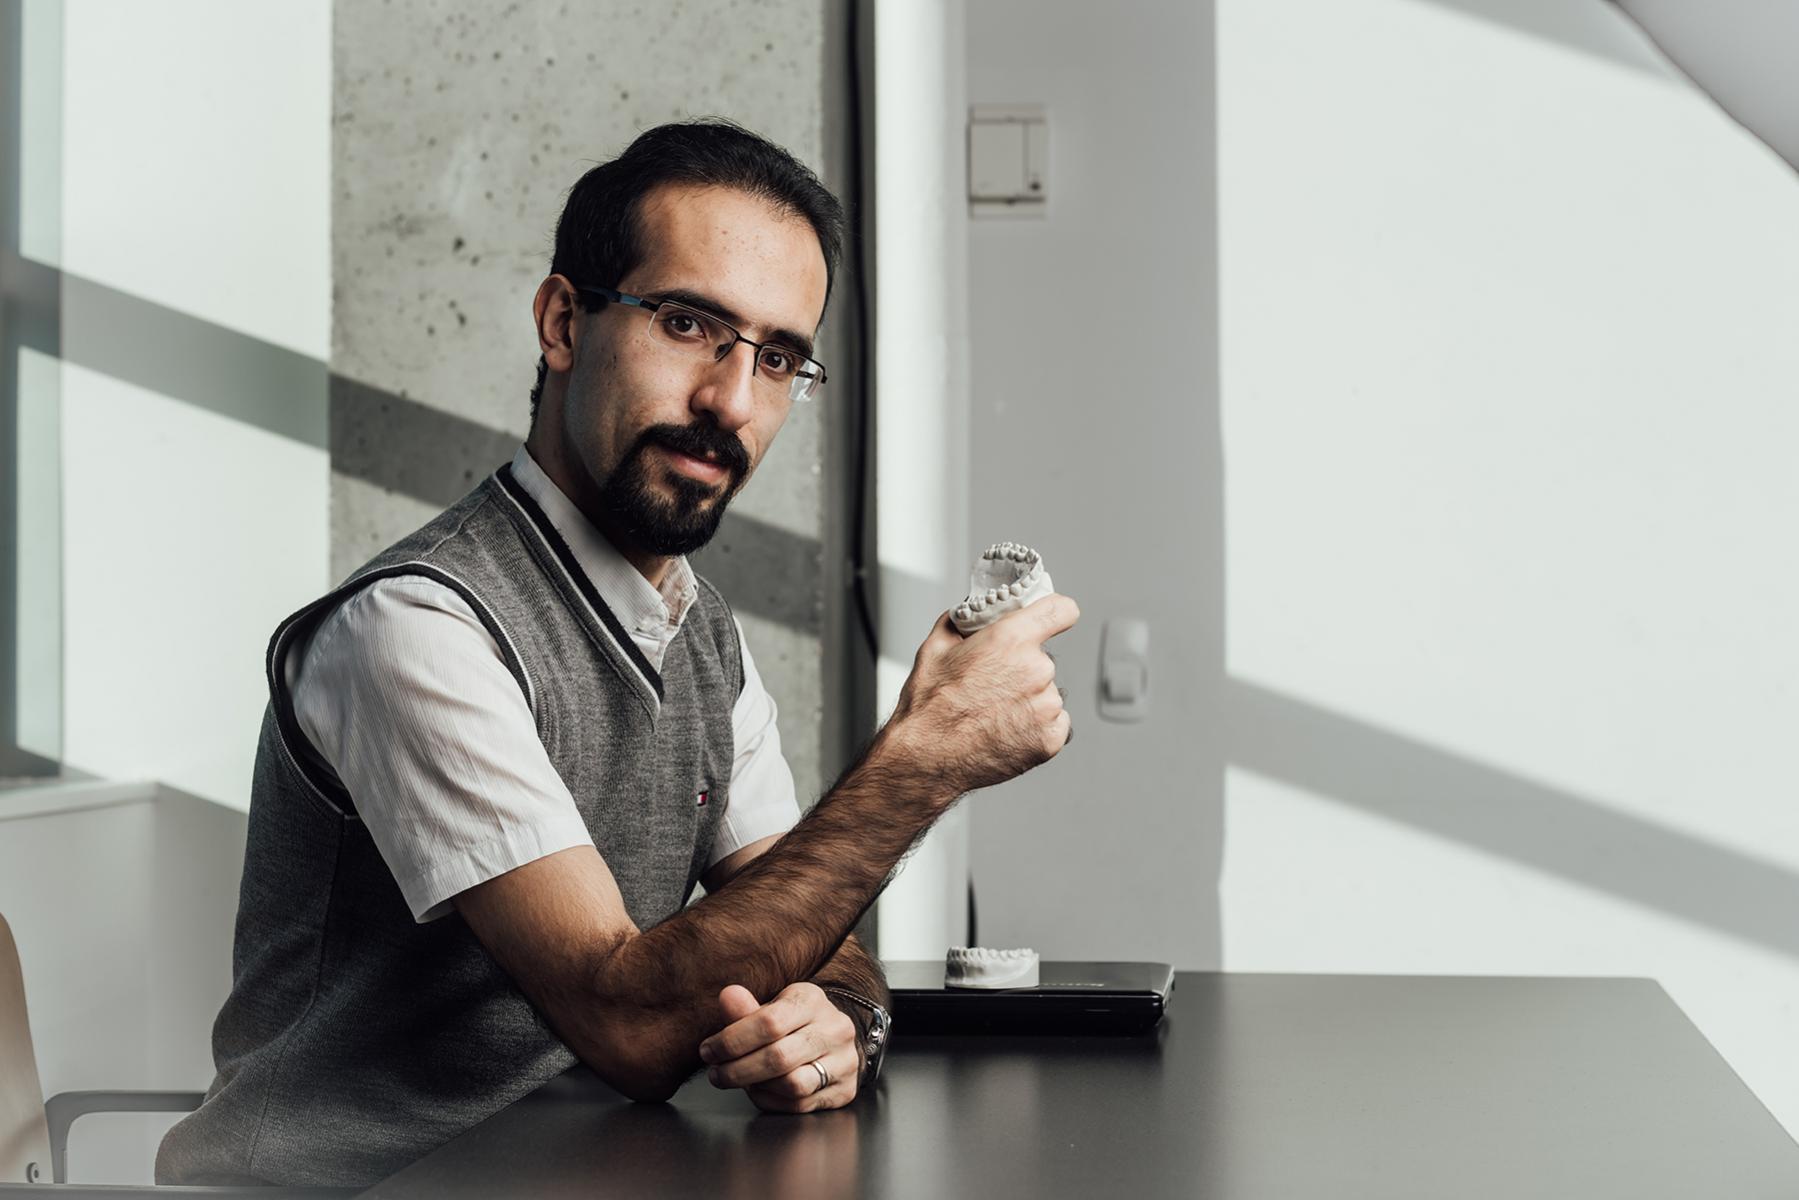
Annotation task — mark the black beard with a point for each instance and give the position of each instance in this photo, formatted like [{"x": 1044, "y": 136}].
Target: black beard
[{"x": 665, "y": 528}]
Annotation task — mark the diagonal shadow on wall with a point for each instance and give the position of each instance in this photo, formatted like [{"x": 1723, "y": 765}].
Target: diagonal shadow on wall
[
  {"x": 421, "y": 452},
  {"x": 193, "y": 360},
  {"x": 402, "y": 445},
  {"x": 436, "y": 457},
  {"x": 1393, "y": 776},
  {"x": 1331, "y": 755},
  {"x": 1596, "y": 29}
]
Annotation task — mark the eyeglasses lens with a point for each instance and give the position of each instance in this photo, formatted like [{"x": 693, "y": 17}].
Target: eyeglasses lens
[{"x": 701, "y": 335}]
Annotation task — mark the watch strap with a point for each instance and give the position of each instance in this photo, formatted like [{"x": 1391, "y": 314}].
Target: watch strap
[{"x": 875, "y": 1030}]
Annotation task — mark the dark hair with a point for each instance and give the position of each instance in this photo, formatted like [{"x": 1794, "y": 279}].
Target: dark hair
[{"x": 599, "y": 235}]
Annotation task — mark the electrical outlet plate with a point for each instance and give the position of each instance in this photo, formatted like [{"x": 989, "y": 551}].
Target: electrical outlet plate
[{"x": 1008, "y": 160}]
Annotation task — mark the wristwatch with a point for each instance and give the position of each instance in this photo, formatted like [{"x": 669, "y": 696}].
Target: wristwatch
[{"x": 874, "y": 1041}]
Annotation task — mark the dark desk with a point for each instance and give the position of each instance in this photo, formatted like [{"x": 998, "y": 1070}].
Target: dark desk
[{"x": 1258, "y": 1086}]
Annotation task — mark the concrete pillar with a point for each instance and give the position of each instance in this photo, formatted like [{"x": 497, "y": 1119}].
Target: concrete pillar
[{"x": 458, "y": 132}]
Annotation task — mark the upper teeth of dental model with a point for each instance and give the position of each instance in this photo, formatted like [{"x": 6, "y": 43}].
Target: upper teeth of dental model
[
  {"x": 1009, "y": 576},
  {"x": 977, "y": 967}
]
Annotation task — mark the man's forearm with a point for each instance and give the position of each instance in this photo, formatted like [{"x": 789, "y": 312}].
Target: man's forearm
[{"x": 779, "y": 920}]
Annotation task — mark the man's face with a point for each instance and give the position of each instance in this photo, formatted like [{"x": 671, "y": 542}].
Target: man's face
[{"x": 667, "y": 438}]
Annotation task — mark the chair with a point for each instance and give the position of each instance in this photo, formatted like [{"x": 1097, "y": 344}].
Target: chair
[{"x": 34, "y": 1133}]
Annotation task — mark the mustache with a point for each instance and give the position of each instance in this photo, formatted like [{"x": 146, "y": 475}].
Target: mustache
[{"x": 700, "y": 441}]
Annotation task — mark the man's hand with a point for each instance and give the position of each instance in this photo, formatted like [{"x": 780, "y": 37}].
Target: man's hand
[
  {"x": 985, "y": 708},
  {"x": 768, "y": 1050}
]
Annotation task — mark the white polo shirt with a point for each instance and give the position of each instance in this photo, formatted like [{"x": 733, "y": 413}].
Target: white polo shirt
[{"x": 405, "y": 694}]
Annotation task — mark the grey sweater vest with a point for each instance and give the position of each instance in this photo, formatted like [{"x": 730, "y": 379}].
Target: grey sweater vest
[{"x": 354, "y": 1039}]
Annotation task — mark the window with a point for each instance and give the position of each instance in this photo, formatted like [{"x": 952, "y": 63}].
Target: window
[{"x": 30, "y": 385}]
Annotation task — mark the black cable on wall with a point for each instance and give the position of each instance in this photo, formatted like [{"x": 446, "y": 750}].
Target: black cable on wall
[{"x": 861, "y": 550}]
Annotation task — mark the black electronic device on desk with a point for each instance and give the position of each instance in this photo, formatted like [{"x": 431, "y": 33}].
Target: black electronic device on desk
[{"x": 1068, "y": 998}]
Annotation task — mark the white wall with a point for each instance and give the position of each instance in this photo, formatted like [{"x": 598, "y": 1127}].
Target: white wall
[
  {"x": 123, "y": 915},
  {"x": 195, "y": 199},
  {"x": 1095, "y": 440},
  {"x": 921, "y": 434},
  {"x": 1509, "y": 401},
  {"x": 1503, "y": 336}
]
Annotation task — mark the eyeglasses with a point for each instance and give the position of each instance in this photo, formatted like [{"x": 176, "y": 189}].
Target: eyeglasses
[{"x": 701, "y": 335}]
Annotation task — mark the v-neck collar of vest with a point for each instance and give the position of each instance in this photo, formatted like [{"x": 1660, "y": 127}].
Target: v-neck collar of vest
[{"x": 540, "y": 523}]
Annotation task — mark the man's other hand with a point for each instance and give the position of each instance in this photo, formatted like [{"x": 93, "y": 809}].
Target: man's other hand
[{"x": 768, "y": 1050}]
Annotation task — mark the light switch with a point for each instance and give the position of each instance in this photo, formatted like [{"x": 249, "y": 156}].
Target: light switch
[
  {"x": 1124, "y": 669},
  {"x": 1125, "y": 681}
]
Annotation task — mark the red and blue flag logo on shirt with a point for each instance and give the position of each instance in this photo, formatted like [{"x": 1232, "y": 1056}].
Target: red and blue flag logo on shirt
[{"x": 700, "y": 800}]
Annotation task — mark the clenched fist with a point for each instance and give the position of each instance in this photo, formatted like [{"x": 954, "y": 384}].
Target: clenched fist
[{"x": 982, "y": 709}]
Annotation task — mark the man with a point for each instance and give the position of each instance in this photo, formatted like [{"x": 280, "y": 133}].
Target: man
[{"x": 497, "y": 760}]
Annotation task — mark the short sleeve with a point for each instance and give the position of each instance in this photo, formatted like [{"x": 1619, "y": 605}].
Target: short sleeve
[
  {"x": 404, "y": 692},
  {"x": 762, "y": 800}
]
